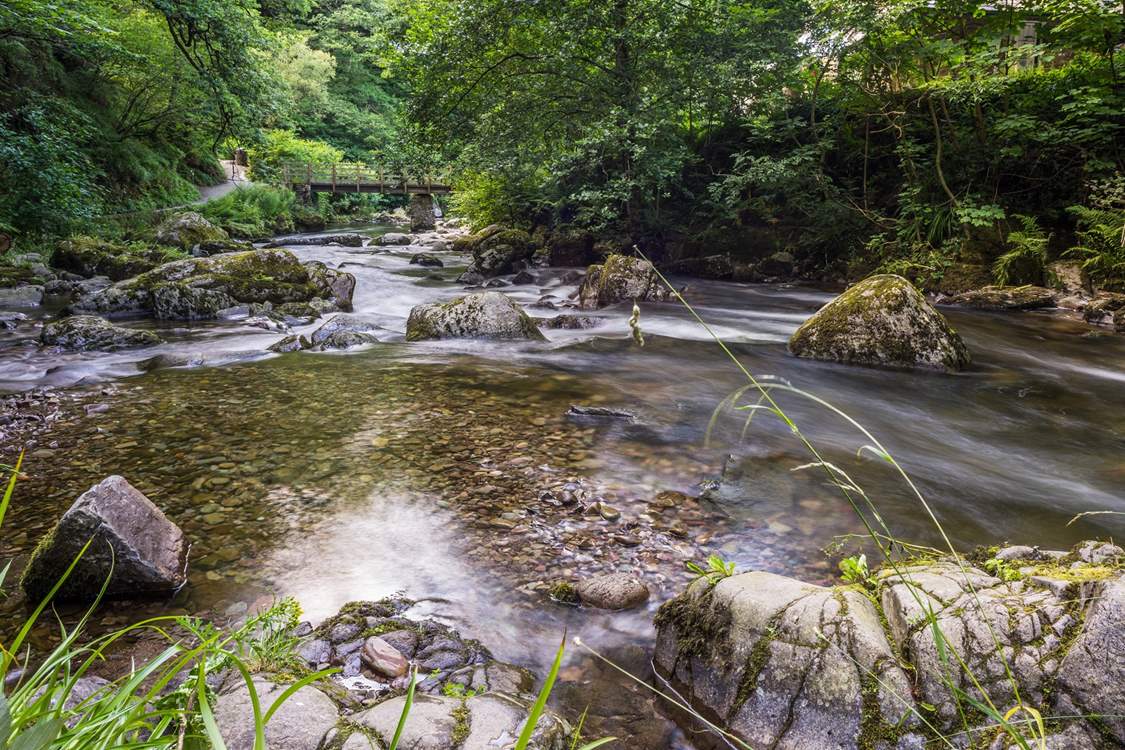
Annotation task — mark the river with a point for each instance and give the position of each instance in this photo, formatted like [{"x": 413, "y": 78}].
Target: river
[{"x": 420, "y": 468}]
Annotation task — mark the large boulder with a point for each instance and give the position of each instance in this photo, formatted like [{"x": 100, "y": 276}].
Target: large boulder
[
  {"x": 488, "y": 315},
  {"x": 621, "y": 279},
  {"x": 781, "y": 663},
  {"x": 303, "y": 722},
  {"x": 83, "y": 333},
  {"x": 187, "y": 230},
  {"x": 1006, "y": 298},
  {"x": 881, "y": 321},
  {"x": 786, "y": 664},
  {"x": 132, "y": 545},
  {"x": 496, "y": 251},
  {"x": 438, "y": 722},
  {"x": 198, "y": 288},
  {"x": 87, "y": 256}
]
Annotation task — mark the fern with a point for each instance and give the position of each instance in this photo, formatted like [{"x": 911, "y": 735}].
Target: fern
[{"x": 1026, "y": 259}]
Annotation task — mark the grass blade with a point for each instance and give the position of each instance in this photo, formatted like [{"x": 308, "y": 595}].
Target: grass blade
[
  {"x": 405, "y": 711},
  {"x": 541, "y": 701}
]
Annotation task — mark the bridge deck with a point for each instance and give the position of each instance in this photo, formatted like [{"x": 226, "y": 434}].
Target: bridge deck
[{"x": 360, "y": 178}]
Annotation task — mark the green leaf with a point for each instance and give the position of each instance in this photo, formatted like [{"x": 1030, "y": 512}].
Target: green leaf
[
  {"x": 541, "y": 701},
  {"x": 39, "y": 737},
  {"x": 405, "y": 710}
]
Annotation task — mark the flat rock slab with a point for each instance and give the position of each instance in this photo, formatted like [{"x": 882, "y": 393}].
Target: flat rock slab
[
  {"x": 302, "y": 722},
  {"x": 131, "y": 537},
  {"x": 84, "y": 333}
]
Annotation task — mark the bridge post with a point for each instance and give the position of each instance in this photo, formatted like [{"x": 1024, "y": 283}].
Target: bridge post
[{"x": 422, "y": 212}]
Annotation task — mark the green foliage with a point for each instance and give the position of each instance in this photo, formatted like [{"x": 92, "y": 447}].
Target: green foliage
[
  {"x": 1026, "y": 260},
  {"x": 283, "y": 147},
  {"x": 714, "y": 570},
  {"x": 252, "y": 211},
  {"x": 855, "y": 570},
  {"x": 1101, "y": 233}
]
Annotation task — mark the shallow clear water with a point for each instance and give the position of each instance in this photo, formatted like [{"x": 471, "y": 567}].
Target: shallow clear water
[{"x": 418, "y": 467}]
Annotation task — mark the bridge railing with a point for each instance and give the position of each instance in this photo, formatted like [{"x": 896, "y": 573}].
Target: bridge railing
[{"x": 354, "y": 174}]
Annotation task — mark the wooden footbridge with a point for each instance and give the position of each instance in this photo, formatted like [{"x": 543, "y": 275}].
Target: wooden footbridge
[{"x": 350, "y": 177}]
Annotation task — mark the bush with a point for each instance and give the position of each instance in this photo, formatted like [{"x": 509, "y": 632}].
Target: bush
[
  {"x": 281, "y": 147},
  {"x": 1026, "y": 260},
  {"x": 252, "y": 211}
]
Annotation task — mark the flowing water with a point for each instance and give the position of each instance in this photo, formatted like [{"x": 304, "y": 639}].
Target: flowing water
[{"x": 422, "y": 467}]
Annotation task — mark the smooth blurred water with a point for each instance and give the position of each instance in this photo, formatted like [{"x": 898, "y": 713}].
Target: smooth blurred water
[{"x": 347, "y": 475}]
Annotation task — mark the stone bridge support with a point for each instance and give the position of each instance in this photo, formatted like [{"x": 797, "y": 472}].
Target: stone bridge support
[{"x": 422, "y": 212}]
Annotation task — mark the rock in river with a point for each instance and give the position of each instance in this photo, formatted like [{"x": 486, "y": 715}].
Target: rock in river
[
  {"x": 426, "y": 259},
  {"x": 90, "y": 333},
  {"x": 131, "y": 537},
  {"x": 489, "y": 315},
  {"x": 881, "y": 321},
  {"x": 1006, "y": 298},
  {"x": 613, "y": 591},
  {"x": 199, "y": 288},
  {"x": 303, "y": 722},
  {"x": 621, "y": 279},
  {"x": 383, "y": 658}
]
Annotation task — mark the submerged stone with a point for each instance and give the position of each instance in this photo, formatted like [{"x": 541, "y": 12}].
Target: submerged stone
[
  {"x": 613, "y": 591},
  {"x": 881, "y": 321},
  {"x": 1006, "y": 298},
  {"x": 133, "y": 545}
]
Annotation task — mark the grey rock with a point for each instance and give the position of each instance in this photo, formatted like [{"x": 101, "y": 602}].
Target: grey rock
[
  {"x": 316, "y": 651},
  {"x": 426, "y": 259},
  {"x": 621, "y": 279},
  {"x": 394, "y": 238},
  {"x": 344, "y": 631},
  {"x": 1091, "y": 678},
  {"x": 12, "y": 320},
  {"x": 134, "y": 546},
  {"x": 613, "y": 591},
  {"x": 344, "y": 340},
  {"x": 21, "y": 296},
  {"x": 403, "y": 641},
  {"x": 338, "y": 324},
  {"x": 302, "y": 722},
  {"x": 91, "y": 333},
  {"x": 349, "y": 239},
  {"x": 488, "y": 315},
  {"x": 188, "y": 229},
  {"x": 1099, "y": 553},
  {"x": 290, "y": 344},
  {"x": 569, "y": 322},
  {"x": 881, "y": 321}
]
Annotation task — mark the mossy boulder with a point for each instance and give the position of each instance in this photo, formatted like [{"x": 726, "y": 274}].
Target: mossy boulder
[
  {"x": 198, "y": 288},
  {"x": 1026, "y": 297},
  {"x": 84, "y": 333},
  {"x": 88, "y": 256},
  {"x": 882, "y": 321},
  {"x": 488, "y": 315},
  {"x": 621, "y": 279},
  {"x": 786, "y": 664},
  {"x": 496, "y": 250},
  {"x": 188, "y": 229}
]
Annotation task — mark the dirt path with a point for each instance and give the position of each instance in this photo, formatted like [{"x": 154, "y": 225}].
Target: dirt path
[{"x": 236, "y": 180}]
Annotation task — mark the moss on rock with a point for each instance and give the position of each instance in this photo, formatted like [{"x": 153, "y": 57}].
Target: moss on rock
[{"x": 881, "y": 321}]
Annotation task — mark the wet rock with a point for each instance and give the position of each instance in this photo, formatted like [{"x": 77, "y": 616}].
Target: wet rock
[
  {"x": 1107, "y": 309},
  {"x": 577, "y": 411},
  {"x": 201, "y": 287},
  {"x": 394, "y": 238},
  {"x": 613, "y": 591},
  {"x": 339, "y": 330},
  {"x": 90, "y": 333},
  {"x": 384, "y": 659},
  {"x": 290, "y": 344},
  {"x": 881, "y": 321},
  {"x": 524, "y": 277},
  {"x": 427, "y": 260},
  {"x": 403, "y": 641},
  {"x": 707, "y": 267},
  {"x": 188, "y": 229},
  {"x": 170, "y": 360},
  {"x": 12, "y": 320},
  {"x": 131, "y": 538},
  {"x": 438, "y": 722},
  {"x": 621, "y": 279},
  {"x": 496, "y": 251},
  {"x": 486, "y": 315},
  {"x": 570, "y": 322},
  {"x": 315, "y": 652},
  {"x": 267, "y": 323},
  {"x": 303, "y": 722},
  {"x": 21, "y": 296},
  {"x": 1006, "y": 298},
  {"x": 1069, "y": 277},
  {"x": 349, "y": 239}
]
